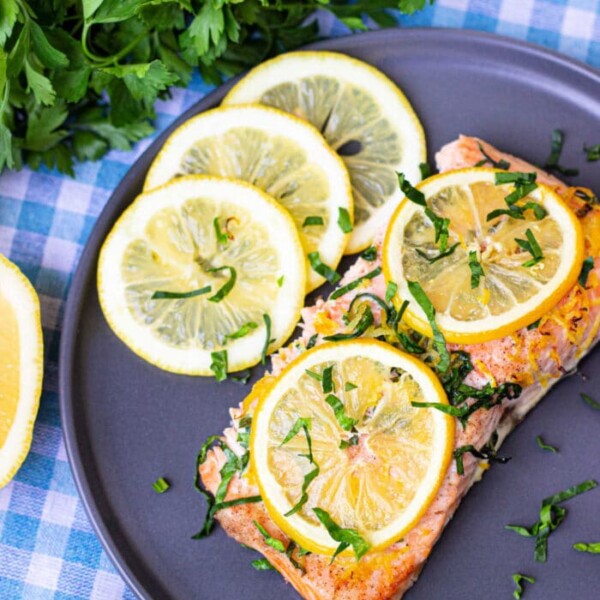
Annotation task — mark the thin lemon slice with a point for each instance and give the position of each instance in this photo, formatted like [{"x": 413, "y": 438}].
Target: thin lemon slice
[
  {"x": 379, "y": 471},
  {"x": 362, "y": 115},
  {"x": 515, "y": 289},
  {"x": 21, "y": 367},
  {"x": 278, "y": 153},
  {"x": 195, "y": 237}
]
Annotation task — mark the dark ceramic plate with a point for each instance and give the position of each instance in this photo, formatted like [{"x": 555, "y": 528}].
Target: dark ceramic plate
[{"x": 127, "y": 423}]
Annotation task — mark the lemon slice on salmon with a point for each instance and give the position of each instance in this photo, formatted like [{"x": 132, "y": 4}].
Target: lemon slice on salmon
[
  {"x": 21, "y": 367},
  {"x": 361, "y": 113},
  {"x": 512, "y": 250},
  {"x": 202, "y": 276},
  {"x": 379, "y": 461},
  {"x": 278, "y": 153}
]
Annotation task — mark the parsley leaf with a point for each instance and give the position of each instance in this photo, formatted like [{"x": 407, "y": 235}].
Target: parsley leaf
[{"x": 346, "y": 537}]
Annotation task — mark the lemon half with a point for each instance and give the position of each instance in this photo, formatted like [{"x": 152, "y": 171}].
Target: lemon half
[
  {"x": 21, "y": 367},
  {"x": 377, "y": 476},
  {"x": 278, "y": 153},
  {"x": 515, "y": 288},
  {"x": 187, "y": 238},
  {"x": 362, "y": 114}
]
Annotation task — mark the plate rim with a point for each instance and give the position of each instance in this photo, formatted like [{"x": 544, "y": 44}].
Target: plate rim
[{"x": 88, "y": 258}]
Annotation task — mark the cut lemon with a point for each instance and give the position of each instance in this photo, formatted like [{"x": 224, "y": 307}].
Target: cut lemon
[
  {"x": 21, "y": 367},
  {"x": 278, "y": 153},
  {"x": 500, "y": 273},
  {"x": 380, "y": 460},
  {"x": 200, "y": 266},
  {"x": 362, "y": 115}
]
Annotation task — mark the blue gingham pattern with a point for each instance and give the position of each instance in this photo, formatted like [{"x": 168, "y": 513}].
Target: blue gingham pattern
[{"x": 48, "y": 549}]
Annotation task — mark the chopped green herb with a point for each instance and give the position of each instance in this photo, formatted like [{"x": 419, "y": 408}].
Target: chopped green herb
[
  {"x": 327, "y": 382},
  {"x": 440, "y": 226},
  {"x": 425, "y": 170},
  {"x": 525, "y": 183},
  {"x": 315, "y": 376},
  {"x": 476, "y": 269},
  {"x": 262, "y": 564},
  {"x": 390, "y": 291},
  {"x": 558, "y": 138},
  {"x": 363, "y": 324},
  {"x": 439, "y": 341},
  {"x": 222, "y": 237},
  {"x": 550, "y": 517},
  {"x": 531, "y": 245},
  {"x": 593, "y": 548},
  {"x": 588, "y": 265},
  {"x": 346, "y": 537},
  {"x": 289, "y": 552},
  {"x": 438, "y": 256},
  {"x": 412, "y": 193},
  {"x": 589, "y": 400},
  {"x": 242, "y": 378},
  {"x": 161, "y": 485},
  {"x": 243, "y": 331},
  {"x": 310, "y": 221},
  {"x": 269, "y": 540},
  {"x": 280, "y": 281},
  {"x": 534, "y": 325},
  {"x": 349, "y": 386},
  {"x": 227, "y": 287},
  {"x": 369, "y": 254},
  {"x": 352, "y": 441},
  {"x": 312, "y": 341},
  {"x": 308, "y": 478},
  {"x": 518, "y": 211},
  {"x": 219, "y": 364},
  {"x": 500, "y": 164},
  {"x": 518, "y": 578},
  {"x": 268, "y": 340},
  {"x": 160, "y": 295},
  {"x": 322, "y": 269},
  {"x": 593, "y": 152},
  {"x": 304, "y": 424},
  {"x": 344, "y": 221},
  {"x": 485, "y": 453},
  {"x": 354, "y": 284},
  {"x": 345, "y": 422},
  {"x": 545, "y": 446}
]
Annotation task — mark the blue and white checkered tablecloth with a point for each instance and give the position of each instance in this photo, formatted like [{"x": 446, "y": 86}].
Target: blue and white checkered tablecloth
[{"x": 47, "y": 546}]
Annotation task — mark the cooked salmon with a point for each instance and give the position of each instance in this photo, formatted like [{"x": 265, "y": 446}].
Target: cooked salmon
[{"x": 535, "y": 358}]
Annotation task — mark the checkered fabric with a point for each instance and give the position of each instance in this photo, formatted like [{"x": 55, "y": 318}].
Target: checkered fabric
[{"x": 48, "y": 549}]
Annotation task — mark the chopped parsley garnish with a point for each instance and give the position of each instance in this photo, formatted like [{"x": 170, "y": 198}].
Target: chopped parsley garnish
[
  {"x": 345, "y": 422},
  {"x": 315, "y": 376},
  {"x": 349, "y": 386},
  {"x": 289, "y": 551},
  {"x": 269, "y": 540},
  {"x": 558, "y": 138},
  {"x": 262, "y": 564},
  {"x": 219, "y": 364},
  {"x": 327, "y": 380},
  {"x": 588, "y": 265},
  {"x": 592, "y": 153},
  {"x": 243, "y": 331},
  {"x": 352, "y": 441},
  {"x": 227, "y": 286},
  {"x": 390, "y": 291},
  {"x": 544, "y": 446},
  {"x": 280, "y": 281},
  {"x": 518, "y": 579},
  {"x": 304, "y": 424},
  {"x": 551, "y": 516},
  {"x": 268, "y": 340},
  {"x": 161, "y": 295},
  {"x": 524, "y": 183},
  {"x": 439, "y": 341},
  {"x": 518, "y": 212},
  {"x": 589, "y": 400},
  {"x": 485, "y": 453},
  {"x": 222, "y": 237},
  {"x": 308, "y": 478},
  {"x": 344, "y": 221},
  {"x": 439, "y": 256},
  {"x": 476, "y": 269},
  {"x": 310, "y": 221},
  {"x": 531, "y": 245},
  {"x": 500, "y": 164},
  {"x": 346, "y": 537},
  {"x": 322, "y": 269},
  {"x": 354, "y": 284},
  {"x": 365, "y": 321},
  {"x": 534, "y": 325},
  {"x": 592, "y": 548},
  {"x": 441, "y": 229},
  {"x": 425, "y": 170},
  {"x": 242, "y": 378},
  {"x": 369, "y": 254},
  {"x": 412, "y": 193},
  {"x": 312, "y": 341},
  {"x": 161, "y": 485}
]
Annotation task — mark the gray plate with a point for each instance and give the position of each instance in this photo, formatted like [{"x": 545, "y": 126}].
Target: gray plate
[{"x": 127, "y": 423}]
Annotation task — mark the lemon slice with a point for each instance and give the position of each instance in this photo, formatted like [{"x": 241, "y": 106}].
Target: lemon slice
[
  {"x": 278, "y": 153},
  {"x": 21, "y": 367},
  {"x": 362, "y": 115},
  {"x": 380, "y": 460},
  {"x": 520, "y": 282},
  {"x": 191, "y": 269}
]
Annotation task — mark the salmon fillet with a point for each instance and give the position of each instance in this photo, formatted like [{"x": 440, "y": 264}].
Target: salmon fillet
[{"x": 535, "y": 359}]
